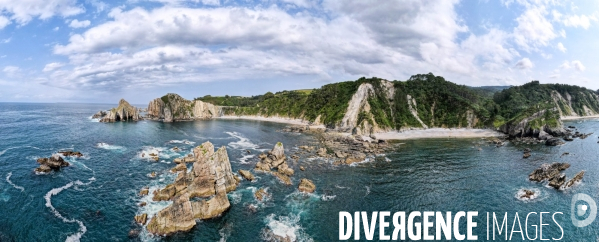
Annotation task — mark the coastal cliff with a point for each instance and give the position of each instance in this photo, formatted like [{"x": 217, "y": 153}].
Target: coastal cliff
[
  {"x": 373, "y": 105},
  {"x": 172, "y": 107},
  {"x": 124, "y": 112}
]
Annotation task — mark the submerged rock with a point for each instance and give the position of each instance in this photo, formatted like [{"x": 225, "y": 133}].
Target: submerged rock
[
  {"x": 528, "y": 194},
  {"x": 55, "y": 162},
  {"x": 554, "y": 142},
  {"x": 198, "y": 194},
  {"x": 261, "y": 194},
  {"x": 306, "y": 186},
  {"x": 70, "y": 153}
]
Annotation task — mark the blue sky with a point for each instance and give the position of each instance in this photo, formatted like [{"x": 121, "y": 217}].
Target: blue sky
[{"x": 101, "y": 51}]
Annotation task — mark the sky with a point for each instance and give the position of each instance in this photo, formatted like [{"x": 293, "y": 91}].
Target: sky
[{"x": 99, "y": 51}]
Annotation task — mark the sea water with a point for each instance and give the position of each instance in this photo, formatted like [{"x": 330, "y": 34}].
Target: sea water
[{"x": 95, "y": 199}]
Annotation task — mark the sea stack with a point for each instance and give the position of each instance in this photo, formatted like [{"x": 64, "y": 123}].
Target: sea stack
[
  {"x": 199, "y": 194},
  {"x": 124, "y": 112}
]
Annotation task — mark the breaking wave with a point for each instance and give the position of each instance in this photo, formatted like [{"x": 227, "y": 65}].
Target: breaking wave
[
  {"x": 82, "y": 229},
  {"x": 10, "y": 182}
]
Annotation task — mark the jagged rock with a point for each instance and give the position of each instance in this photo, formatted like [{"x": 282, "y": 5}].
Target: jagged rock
[
  {"x": 527, "y": 194},
  {"x": 355, "y": 157},
  {"x": 188, "y": 159},
  {"x": 302, "y": 168},
  {"x": 282, "y": 177},
  {"x": 269, "y": 236},
  {"x": 547, "y": 171},
  {"x": 261, "y": 194},
  {"x": 141, "y": 219},
  {"x": 544, "y": 135},
  {"x": 565, "y": 153},
  {"x": 554, "y": 142},
  {"x": 176, "y": 149},
  {"x": 70, "y": 153},
  {"x": 247, "y": 175},
  {"x": 340, "y": 154},
  {"x": 134, "y": 233},
  {"x": 577, "y": 178},
  {"x": 55, "y": 162},
  {"x": 210, "y": 178},
  {"x": 306, "y": 185},
  {"x": 568, "y": 138},
  {"x": 275, "y": 159},
  {"x": 295, "y": 157},
  {"x": 526, "y": 155},
  {"x": 307, "y": 148},
  {"x": 124, "y": 112},
  {"x": 99, "y": 115},
  {"x": 144, "y": 191},
  {"x": 557, "y": 181},
  {"x": 172, "y": 108},
  {"x": 179, "y": 167},
  {"x": 153, "y": 174},
  {"x": 322, "y": 152},
  {"x": 142, "y": 204},
  {"x": 178, "y": 160}
]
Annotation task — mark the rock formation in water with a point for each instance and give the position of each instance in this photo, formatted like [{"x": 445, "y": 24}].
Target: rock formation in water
[
  {"x": 306, "y": 186},
  {"x": 552, "y": 173},
  {"x": 172, "y": 107},
  {"x": 198, "y": 194},
  {"x": 247, "y": 175},
  {"x": 124, "y": 112},
  {"x": 55, "y": 162},
  {"x": 275, "y": 159}
]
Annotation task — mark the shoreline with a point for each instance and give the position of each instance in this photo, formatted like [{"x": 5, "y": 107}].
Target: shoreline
[
  {"x": 431, "y": 133},
  {"x": 570, "y": 118},
  {"x": 435, "y": 133}
]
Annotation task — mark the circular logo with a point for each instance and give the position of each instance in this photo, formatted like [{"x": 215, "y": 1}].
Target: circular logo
[{"x": 579, "y": 210}]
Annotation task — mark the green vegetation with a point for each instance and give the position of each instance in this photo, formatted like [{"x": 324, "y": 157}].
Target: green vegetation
[{"x": 438, "y": 103}]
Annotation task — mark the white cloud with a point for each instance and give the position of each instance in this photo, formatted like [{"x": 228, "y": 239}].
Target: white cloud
[
  {"x": 524, "y": 64},
  {"x": 23, "y": 11},
  {"x": 5, "y": 41},
  {"x": 583, "y": 21},
  {"x": 52, "y": 66},
  {"x": 169, "y": 45},
  {"x": 533, "y": 30},
  {"x": 79, "y": 24},
  {"x": 11, "y": 69},
  {"x": 56, "y": 28},
  {"x": 561, "y": 47},
  {"x": 576, "y": 65},
  {"x": 4, "y": 21}
]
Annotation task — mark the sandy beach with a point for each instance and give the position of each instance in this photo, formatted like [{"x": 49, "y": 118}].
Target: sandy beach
[
  {"x": 579, "y": 117},
  {"x": 276, "y": 120},
  {"x": 438, "y": 133}
]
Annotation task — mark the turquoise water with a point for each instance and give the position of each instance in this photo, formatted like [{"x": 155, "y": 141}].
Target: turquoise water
[{"x": 95, "y": 199}]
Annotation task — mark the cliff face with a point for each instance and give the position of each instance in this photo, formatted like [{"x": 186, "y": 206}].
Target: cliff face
[
  {"x": 172, "y": 107},
  {"x": 124, "y": 112}
]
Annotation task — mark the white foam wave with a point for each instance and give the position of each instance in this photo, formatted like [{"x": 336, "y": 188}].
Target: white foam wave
[
  {"x": 187, "y": 142},
  {"x": 7, "y": 149},
  {"x": 520, "y": 194},
  {"x": 245, "y": 158},
  {"x": 367, "y": 190},
  {"x": 328, "y": 197},
  {"x": 243, "y": 143},
  {"x": 367, "y": 160},
  {"x": 82, "y": 229},
  {"x": 10, "y": 182},
  {"x": 110, "y": 147},
  {"x": 285, "y": 227},
  {"x": 340, "y": 187}
]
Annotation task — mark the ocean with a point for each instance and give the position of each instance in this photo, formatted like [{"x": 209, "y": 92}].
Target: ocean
[{"x": 95, "y": 199}]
